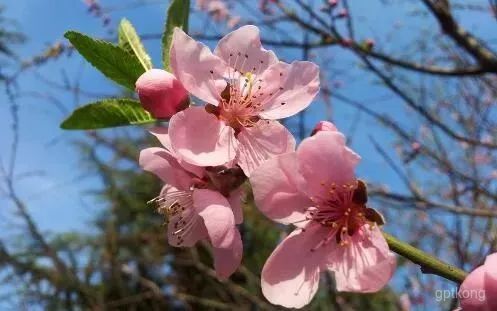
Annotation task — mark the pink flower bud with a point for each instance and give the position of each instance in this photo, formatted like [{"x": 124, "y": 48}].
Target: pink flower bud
[
  {"x": 346, "y": 42},
  {"x": 343, "y": 13},
  {"x": 332, "y": 2},
  {"x": 324, "y": 126},
  {"x": 369, "y": 43},
  {"x": 161, "y": 93},
  {"x": 477, "y": 292}
]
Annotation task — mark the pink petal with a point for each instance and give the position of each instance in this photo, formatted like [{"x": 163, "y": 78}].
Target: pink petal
[
  {"x": 324, "y": 126},
  {"x": 323, "y": 159},
  {"x": 242, "y": 50},
  {"x": 261, "y": 142},
  {"x": 162, "y": 135},
  {"x": 275, "y": 186},
  {"x": 217, "y": 215},
  {"x": 201, "y": 139},
  {"x": 405, "y": 302},
  {"x": 235, "y": 200},
  {"x": 196, "y": 228},
  {"x": 197, "y": 68},
  {"x": 293, "y": 86},
  {"x": 227, "y": 260},
  {"x": 161, "y": 163},
  {"x": 491, "y": 281},
  {"x": 365, "y": 264},
  {"x": 290, "y": 276},
  {"x": 468, "y": 292}
]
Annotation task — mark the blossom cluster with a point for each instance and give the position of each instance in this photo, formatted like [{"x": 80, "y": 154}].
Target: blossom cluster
[{"x": 210, "y": 149}]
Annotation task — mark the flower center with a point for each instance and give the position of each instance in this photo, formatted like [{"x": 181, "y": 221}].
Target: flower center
[
  {"x": 343, "y": 211},
  {"x": 177, "y": 207},
  {"x": 245, "y": 94},
  {"x": 237, "y": 107}
]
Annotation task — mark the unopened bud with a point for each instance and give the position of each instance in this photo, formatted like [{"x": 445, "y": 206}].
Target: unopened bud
[
  {"x": 343, "y": 13},
  {"x": 346, "y": 42},
  {"x": 369, "y": 43},
  {"x": 161, "y": 93},
  {"x": 332, "y": 3},
  {"x": 324, "y": 126}
]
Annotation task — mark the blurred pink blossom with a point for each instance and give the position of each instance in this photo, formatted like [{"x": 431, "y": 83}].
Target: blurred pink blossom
[
  {"x": 343, "y": 13},
  {"x": 405, "y": 302},
  {"x": 233, "y": 21}
]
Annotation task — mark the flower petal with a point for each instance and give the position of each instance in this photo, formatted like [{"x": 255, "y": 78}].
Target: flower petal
[
  {"x": 275, "y": 186},
  {"x": 161, "y": 133},
  {"x": 261, "y": 142},
  {"x": 468, "y": 295},
  {"x": 201, "y": 139},
  {"x": 235, "y": 199},
  {"x": 491, "y": 281},
  {"x": 227, "y": 260},
  {"x": 200, "y": 71},
  {"x": 290, "y": 276},
  {"x": 242, "y": 50},
  {"x": 217, "y": 215},
  {"x": 293, "y": 87},
  {"x": 179, "y": 235},
  {"x": 365, "y": 264},
  {"x": 323, "y": 159},
  {"x": 161, "y": 163}
]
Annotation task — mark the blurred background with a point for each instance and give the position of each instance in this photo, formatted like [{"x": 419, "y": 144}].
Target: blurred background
[{"x": 412, "y": 83}]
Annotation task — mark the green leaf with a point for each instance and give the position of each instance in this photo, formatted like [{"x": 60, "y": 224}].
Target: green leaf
[
  {"x": 177, "y": 16},
  {"x": 130, "y": 41},
  {"x": 114, "y": 62},
  {"x": 107, "y": 113}
]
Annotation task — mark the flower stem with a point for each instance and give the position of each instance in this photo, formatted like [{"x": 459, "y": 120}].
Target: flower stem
[{"x": 428, "y": 263}]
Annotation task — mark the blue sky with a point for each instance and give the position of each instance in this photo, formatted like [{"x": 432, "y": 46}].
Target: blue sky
[{"x": 57, "y": 196}]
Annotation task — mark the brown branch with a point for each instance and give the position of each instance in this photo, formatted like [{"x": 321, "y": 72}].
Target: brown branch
[
  {"x": 233, "y": 287},
  {"x": 441, "y": 11},
  {"x": 418, "y": 200}
]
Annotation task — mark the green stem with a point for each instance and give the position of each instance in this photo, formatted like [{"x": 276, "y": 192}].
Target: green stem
[{"x": 428, "y": 263}]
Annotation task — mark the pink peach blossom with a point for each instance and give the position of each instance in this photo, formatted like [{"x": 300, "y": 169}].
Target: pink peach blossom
[
  {"x": 194, "y": 208},
  {"x": 315, "y": 189},
  {"x": 478, "y": 292},
  {"x": 233, "y": 21},
  {"x": 161, "y": 93},
  {"x": 217, "y": 9},
  {"x": 246, "y": 89}
]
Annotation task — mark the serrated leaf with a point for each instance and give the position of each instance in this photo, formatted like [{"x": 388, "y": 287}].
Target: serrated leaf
[
  {"x": 107, "y": 113},
  {"x": 130, "y": 41},
  {"x": 111, "y": 60},
  {"x": 177, "y": 16}
]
